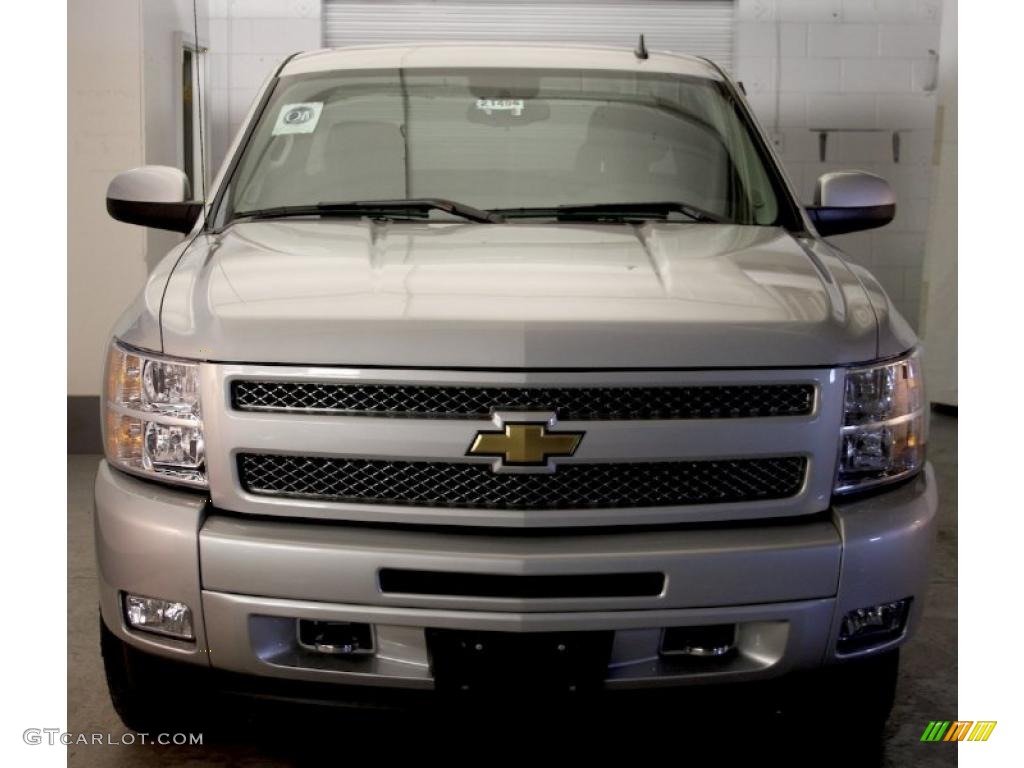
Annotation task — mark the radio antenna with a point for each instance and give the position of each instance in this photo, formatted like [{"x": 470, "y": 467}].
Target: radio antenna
[
  {"x": 641, "y": 48},
  {"x": 199, "y": 102}
]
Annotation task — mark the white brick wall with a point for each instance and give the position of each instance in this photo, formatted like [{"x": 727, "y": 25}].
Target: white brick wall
[
  {"x": 841, "y": 40},
  {"x": 855, "y": 65},
  {"x": 248, "y": 39}
]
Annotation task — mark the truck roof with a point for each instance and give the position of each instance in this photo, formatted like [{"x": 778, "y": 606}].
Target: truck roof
[{"x": 496, "y": 54}]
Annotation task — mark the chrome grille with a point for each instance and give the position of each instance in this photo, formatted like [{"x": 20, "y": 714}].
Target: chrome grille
[
  {"x": 570, "y": 403},
  {"x": 572, "y": 486}
]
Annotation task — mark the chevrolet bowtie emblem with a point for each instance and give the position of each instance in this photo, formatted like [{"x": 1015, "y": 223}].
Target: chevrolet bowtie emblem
[{"x": 524, "y": 444}]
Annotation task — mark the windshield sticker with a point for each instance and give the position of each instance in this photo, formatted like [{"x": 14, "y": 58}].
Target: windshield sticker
[
  {"x": 298, "y": 118},
  {"x": 490, "y": 106}
]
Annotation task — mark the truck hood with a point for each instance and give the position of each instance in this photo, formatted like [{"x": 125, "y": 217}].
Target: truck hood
[{"x": 515, "y": 296}]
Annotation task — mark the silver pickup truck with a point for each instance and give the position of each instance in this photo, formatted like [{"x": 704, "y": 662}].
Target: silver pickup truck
[{"x": 514, "y": 369}]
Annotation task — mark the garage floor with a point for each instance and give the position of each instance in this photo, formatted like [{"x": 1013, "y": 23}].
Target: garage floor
[{"x": 927, "y": 686}]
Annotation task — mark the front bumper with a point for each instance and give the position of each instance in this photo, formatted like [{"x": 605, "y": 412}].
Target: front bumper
[{"x": 785, "y": 584}]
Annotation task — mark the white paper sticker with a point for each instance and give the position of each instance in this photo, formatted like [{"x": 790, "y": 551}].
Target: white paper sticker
[
  {"x": 298, "y": 118},
  {"x": 490, "y": 106}
]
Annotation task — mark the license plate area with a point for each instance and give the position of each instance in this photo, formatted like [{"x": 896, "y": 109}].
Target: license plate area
[{"x": 469, "y": 661}]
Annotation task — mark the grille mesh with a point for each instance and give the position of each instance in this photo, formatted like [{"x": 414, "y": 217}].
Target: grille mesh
[
  {"x": 443, "y": 484},
  {"x": 570, "y": 403}
]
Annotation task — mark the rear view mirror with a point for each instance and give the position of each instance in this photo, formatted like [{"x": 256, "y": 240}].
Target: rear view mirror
[
  {"x": 849, "y": 201},
  {"x": 153, "y": 196}
]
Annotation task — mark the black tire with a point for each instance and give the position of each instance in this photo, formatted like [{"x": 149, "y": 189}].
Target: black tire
[{"x": 147, "y": 698}]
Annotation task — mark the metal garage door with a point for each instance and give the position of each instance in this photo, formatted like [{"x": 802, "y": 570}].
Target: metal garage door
[{"x": 701, "y": 27}]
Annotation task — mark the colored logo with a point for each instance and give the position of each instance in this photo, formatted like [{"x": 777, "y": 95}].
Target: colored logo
[
  {"x": 525, "y": 444},
  {"x": 958, "y": 730}
]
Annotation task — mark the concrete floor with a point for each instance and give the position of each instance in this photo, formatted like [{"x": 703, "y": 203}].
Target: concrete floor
[{"x": 927, "y": 689}]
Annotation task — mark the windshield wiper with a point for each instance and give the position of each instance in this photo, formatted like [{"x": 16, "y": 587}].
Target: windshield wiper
[
  {"x": 376, "y": 208},
  {"x": 616, "y": 212}
]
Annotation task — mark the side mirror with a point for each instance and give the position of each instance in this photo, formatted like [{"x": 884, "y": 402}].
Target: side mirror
[
  {"x": 849, "y": 201},
  {"x": 153, "y": 196}
]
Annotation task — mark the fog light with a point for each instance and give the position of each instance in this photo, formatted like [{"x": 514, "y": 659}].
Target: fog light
[
  {"x": 874, "y": 625},
  {"x": 712, "y": 640},
  {"x": 338, "y": 637},
  {"x": 161, "y": 616}
]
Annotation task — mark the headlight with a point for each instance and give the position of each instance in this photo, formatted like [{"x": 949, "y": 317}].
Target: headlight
[
  {"x": 152, "y": 421},
  {"x": 885, "y": 425}
]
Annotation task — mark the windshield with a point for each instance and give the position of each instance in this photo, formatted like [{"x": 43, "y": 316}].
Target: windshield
[{"x": 521, "y": 141}]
